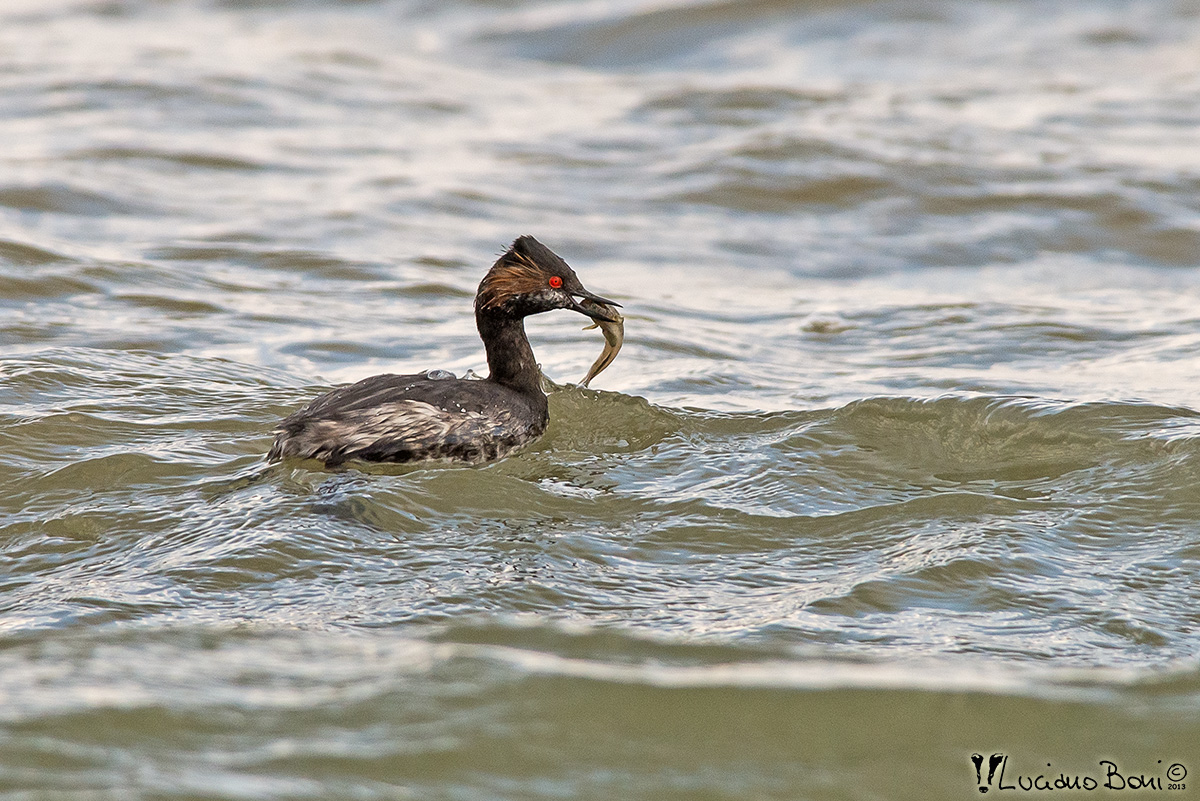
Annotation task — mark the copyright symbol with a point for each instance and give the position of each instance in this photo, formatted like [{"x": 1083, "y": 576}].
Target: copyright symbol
[{"x": 1176, "y": 772}]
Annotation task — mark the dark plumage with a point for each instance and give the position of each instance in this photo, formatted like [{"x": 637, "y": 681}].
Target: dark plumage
[{"x": 433, "y": 415}]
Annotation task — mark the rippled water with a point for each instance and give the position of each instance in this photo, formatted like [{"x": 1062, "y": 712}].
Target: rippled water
[{"x": 900, "y": 462}]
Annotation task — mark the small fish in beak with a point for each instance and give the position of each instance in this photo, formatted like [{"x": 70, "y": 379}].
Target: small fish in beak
[{"x": 614, "y": 336}]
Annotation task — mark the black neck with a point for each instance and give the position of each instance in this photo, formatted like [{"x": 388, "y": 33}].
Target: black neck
[{"x": 509, "y": 356}]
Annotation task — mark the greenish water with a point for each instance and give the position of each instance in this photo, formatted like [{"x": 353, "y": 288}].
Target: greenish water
[{"x": 898, "y": 466}]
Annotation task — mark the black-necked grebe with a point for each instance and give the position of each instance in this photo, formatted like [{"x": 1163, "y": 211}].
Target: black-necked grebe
[{"x": 433, "y": 415}]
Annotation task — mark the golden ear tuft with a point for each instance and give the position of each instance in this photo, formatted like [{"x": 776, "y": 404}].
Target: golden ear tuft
[{"x": 513, "y": 274}]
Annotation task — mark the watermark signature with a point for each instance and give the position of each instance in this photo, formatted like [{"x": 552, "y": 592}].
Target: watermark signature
[{"x": 998, "y": 774}]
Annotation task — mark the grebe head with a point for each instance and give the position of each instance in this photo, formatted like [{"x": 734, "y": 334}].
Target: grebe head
[{"x": 529, "y": 279}]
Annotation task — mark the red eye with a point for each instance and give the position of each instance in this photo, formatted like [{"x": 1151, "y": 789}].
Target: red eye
[{"x": 555, "y": 282}]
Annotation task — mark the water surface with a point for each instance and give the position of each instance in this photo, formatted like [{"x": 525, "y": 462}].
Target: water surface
[{"x": 899, "y": 463}]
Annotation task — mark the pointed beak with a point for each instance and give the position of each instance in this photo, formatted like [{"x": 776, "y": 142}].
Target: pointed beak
[{"x": 595, "y": 307}]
